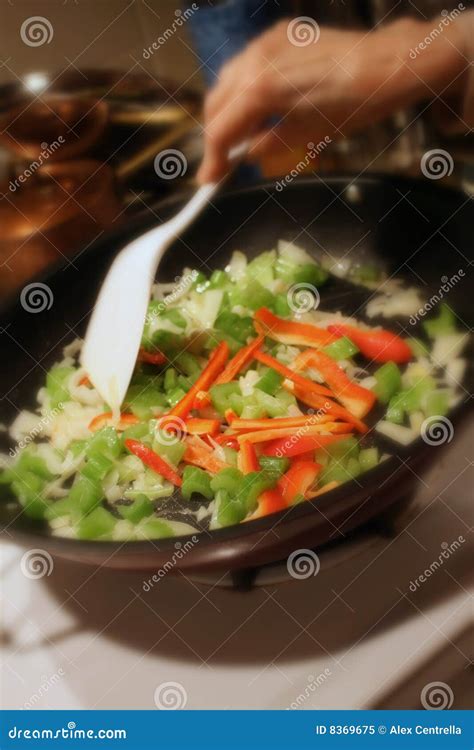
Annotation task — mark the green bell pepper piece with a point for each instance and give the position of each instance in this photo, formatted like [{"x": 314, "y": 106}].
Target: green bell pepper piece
[
  {"x": 445, "y": 322},
  {"x": 269, "y": 382},
  {"x": 274, "y": 464},
  {"x": 99, "y": 524},
  {"x": 140, "y": 508},
  {"x": 389, "y": 380},
  {"x": 343, "y": 348}
]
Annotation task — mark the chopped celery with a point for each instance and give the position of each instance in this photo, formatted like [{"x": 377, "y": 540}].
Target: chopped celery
[
  {"x": 336, "y": 471},
  {"x": 176, "y": 395},
  {"x": 96, "y": 468},
  {"x": 56, "y": 388},
  {"x": 171, "y": 379},
  {"x": 342, "y": 348},
  {"x": 188, "y": 364},
  {"x": 445, "y": 322},
  {"x": 344, "y": 449},
  {"x": 137, "y": 432},
  {"x": 389, "y": 380},
  {"x": 228, "y": 480},
  {"x": 221, "y": 393},
  {"x": 99, "y": 524},
  {"x": 105, "y": 442},
  {"x": 230, "y": 455},
  {"x": 272, "y": 405},
  {"x": 219, "y": 280},
  {"x": 85, "y": 495},
  {"x": 253, "y": 411},
  {"x": 261, "y": 267},
  {"x": 281, "y": 306},
  {"x": 196, "y": 480},
  {"x": 169, "y": 446},
  {"x": 58, "y": 508},
  {"x": 252, "y": 295},
  {"x": 140, "y": 508},
  {"x": 436, "y": 403},
  {"x": 296, "y": 273},
  {"x": 227, "y": 510},
  {"x": 239, "y": 328},
  {"x": 269, "y": 382},
  {"x": 28, "y": 488},
  {"x": 368, "y": 458},
  {"x": 155, "y": 528},
  {"x": 144, "y": 402},
  {"x": 174, "y": 316},
  {"x": 28, "y": 461}
]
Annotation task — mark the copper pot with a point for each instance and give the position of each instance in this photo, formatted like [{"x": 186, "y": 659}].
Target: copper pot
[{"x": 43, "y": 218}]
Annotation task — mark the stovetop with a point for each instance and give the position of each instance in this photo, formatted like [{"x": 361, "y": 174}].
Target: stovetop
[{"x": 380, "y": 608}]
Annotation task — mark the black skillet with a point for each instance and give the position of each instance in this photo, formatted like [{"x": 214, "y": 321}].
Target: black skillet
[{"x": 418, "y": 230}]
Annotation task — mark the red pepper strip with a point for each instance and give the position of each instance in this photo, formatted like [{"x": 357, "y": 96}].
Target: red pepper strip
[
  {"x": 243, "y": 357},
  {"x": 262, "y": 436},
  {"x": 151, "y": 358},
  {"x": 326, "y": 488},
  {"x": 306, "y": 383},
  {"x": 250, "y": 425},
  {"x": 288, "y": 332},
  {"x": 200, "y": 454},
  {"x": 85, "y": 380},
  {"x": 107, "y": 419},
  {"x": 247, "y": 460},
  {"x": 357, "y": 399},
  {"x": 196, "y": 426},
  {"x": 322, "y": 403},
  {"x": 294, "y": 445},
  {"x": 228, "y": 440},
  {"x": 270, "y": 501},
  {"x": 153, "y": 461},
  {"x": 230, "y": 415},
  {"x": 207, "y": 377},
  {"x": 298, "y": 479},
  {"x": 377, "y": 345}
]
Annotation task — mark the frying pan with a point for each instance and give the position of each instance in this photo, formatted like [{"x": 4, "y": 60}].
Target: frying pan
[{"x": 419, "y": 230}]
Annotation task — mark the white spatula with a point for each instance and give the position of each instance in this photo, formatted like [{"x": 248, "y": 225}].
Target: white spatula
[{"x": 115, "y": 329}]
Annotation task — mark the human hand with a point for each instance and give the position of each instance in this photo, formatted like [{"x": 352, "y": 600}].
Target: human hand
[{"x": 338, "y": 84}]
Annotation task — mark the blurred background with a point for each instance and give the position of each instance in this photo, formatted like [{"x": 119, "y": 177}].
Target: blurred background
[{"x": 92, "y": 91}]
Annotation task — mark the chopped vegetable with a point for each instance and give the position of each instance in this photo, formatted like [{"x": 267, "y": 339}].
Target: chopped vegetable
[{"x": 377, "y": 344}]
